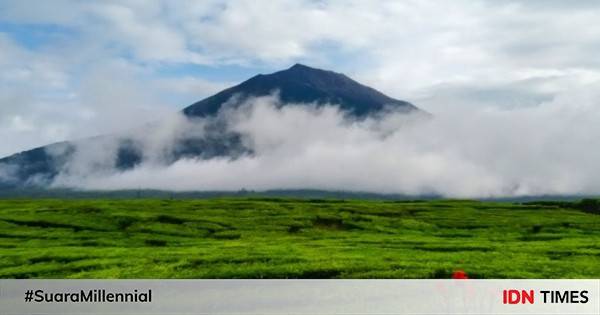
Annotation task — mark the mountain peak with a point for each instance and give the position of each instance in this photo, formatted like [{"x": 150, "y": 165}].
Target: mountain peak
[
  {"x": 299, "y": 69},
  {"x": 299, "y": 66},
  {"x": 304, "y": 84}
]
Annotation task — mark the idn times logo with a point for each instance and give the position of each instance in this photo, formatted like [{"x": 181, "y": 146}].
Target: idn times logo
[{"x": 514, "y": 296}]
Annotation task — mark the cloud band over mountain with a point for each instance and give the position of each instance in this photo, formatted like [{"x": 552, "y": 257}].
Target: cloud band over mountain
[{"x": 540, "y": 150}]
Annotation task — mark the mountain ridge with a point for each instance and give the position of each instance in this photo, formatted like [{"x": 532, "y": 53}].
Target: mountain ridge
[
  {"x": 298, "y": 84},
  {"x": 304, "y": 84}
]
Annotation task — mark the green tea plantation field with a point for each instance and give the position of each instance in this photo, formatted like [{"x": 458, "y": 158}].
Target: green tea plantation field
[{"x": 296, "y": 238}]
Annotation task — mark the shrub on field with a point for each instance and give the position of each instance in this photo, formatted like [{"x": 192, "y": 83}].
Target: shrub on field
[
  {"x": 124, "y": 222},
  {"x": 590, "y": 205},
  {"x": 536, "y": 228},
  {"x": 163, "y": 218},
  {"x": 156, "y": 243},
  {"x": 227, "y": 235}
]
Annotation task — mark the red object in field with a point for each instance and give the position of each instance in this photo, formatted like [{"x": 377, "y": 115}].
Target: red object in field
[{"x": 459, "y": 274}]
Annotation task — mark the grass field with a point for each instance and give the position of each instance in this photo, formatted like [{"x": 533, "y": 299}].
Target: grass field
[{"x": 287, "y": 238}]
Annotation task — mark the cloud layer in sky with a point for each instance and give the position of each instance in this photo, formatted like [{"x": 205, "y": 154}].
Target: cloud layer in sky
[{"x": 463, "y": 153}]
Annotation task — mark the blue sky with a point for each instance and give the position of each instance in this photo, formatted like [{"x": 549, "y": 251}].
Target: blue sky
[{"x": 71, "y": 69}]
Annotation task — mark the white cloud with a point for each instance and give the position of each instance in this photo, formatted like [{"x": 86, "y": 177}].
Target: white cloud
[
  {"x": 465, "y": 153},
  {"x": 51, "y": 95},
  {"x": 400, "y": 47},
  {"x": 41, "y": 103}
]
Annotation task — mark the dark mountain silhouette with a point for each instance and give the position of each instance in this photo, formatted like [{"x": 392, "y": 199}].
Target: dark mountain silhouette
[
  {"x": 303, "y": 84},
  {"x": 299, "y": 84}
]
